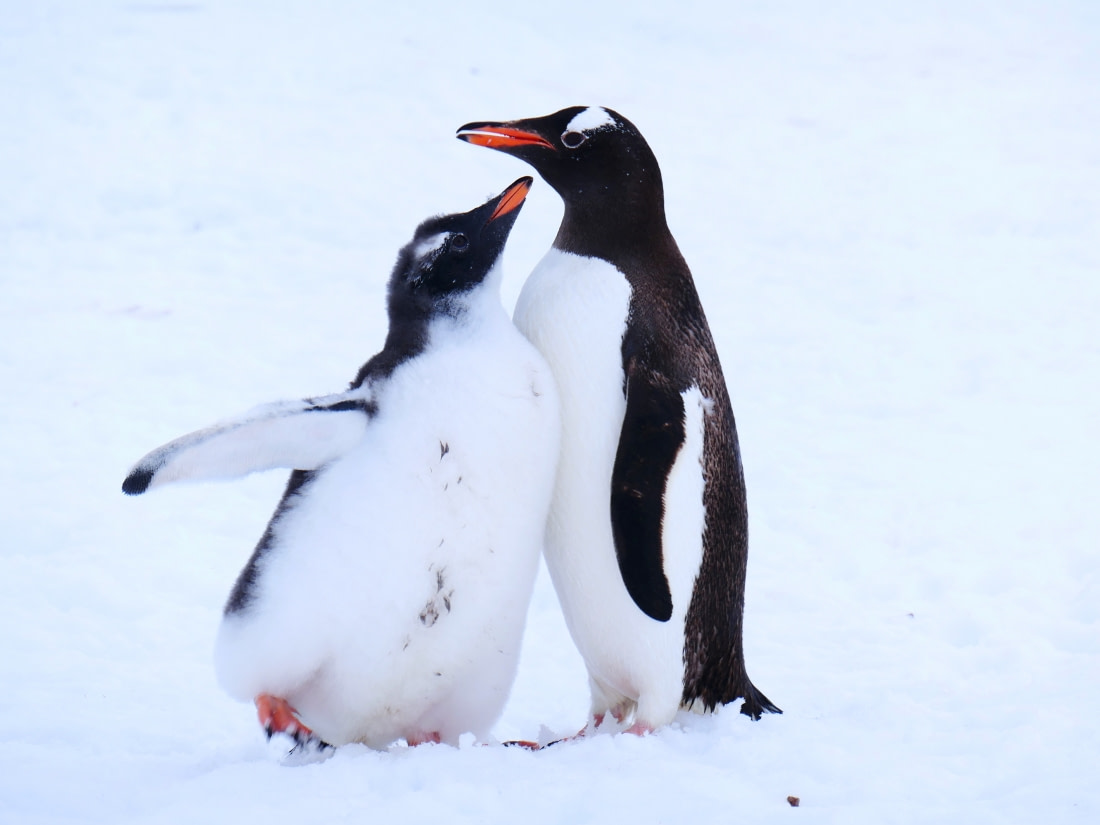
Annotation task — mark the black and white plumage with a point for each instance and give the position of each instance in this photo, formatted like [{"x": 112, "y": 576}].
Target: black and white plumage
[
  {"x": 647, "y": 539},
  {"x": 387, "y": 597}
]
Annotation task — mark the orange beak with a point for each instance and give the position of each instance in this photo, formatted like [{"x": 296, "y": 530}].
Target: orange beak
[
  {"x": 501, "y": 137},
  {"x": 513, "y": 196}
]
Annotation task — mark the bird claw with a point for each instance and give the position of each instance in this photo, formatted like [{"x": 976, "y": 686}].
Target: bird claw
[
  {"x": 278, "y": 717},
  {"x": 308, "y": 746},
  {"x": 303, "y": 739},
  {"x": 523, "y": 743}
]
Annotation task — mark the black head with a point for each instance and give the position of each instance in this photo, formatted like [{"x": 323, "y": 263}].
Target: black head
[
  {"x": 595, "y": 158},
  {"x": 438, "y": 272},
  {"x": 450, "y": 255}
]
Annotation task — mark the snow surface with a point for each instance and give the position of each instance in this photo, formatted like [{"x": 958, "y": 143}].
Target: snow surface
[{"x": 892, "y": 210}]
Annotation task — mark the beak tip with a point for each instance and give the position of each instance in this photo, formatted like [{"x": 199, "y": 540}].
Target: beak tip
[
  {"x": 512, "y": 198},
  {"x": 500, "y": 136}
]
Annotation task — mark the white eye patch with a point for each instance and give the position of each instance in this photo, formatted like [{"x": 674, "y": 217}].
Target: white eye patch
[
  {"x": 430, "y": 245},
  {"x": 590, "y": 119}
]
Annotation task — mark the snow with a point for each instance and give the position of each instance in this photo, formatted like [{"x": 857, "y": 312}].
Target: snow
[{"x": 892, "y": 212}]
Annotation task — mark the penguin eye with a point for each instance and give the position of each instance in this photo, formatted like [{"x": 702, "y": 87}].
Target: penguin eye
[
  {"x": 571, "y": 140},
  {"x": 459, "y": 242}
]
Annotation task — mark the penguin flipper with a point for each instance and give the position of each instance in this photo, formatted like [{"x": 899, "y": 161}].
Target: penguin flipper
[
  {"x": 297, "y": 435},
  {"x": 650, "y": 440}
]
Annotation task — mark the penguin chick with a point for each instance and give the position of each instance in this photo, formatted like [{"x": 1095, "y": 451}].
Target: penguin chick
[{"x": 386, "y": 599}]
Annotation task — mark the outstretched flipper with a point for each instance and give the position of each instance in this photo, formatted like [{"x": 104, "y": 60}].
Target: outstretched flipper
[{"x": 296, "y": 435}]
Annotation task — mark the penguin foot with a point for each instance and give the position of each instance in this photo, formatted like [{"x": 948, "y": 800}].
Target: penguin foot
[
  {"x": 527, "y": 743},
  {"x": 423, "y": 739},
  {"x": 277, "y": 716},
  {"x": 593, "y": 726},
  {"x": 619, "y": 713},
  {"x": 305, "y": 752},
  {"x": 640, "y": 729}
]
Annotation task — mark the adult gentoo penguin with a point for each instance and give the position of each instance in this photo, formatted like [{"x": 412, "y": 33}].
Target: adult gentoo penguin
[
  {"x": 648, "y": 535},
  {"x": 387, "y": 597}
]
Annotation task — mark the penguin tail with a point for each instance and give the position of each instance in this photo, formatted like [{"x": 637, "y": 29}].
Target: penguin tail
[{"x": 756, "y": 703}]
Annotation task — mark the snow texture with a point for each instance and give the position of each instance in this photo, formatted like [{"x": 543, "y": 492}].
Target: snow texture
[{"x": 892, "y": 211}]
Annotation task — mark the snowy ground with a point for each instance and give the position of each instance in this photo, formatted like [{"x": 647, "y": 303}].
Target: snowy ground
[{"x": 893, "y": 214}]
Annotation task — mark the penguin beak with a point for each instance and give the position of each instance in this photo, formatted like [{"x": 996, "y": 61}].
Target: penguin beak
[
  {"x": 501, "y": 136},
  {"x": 512, "y": 198}
]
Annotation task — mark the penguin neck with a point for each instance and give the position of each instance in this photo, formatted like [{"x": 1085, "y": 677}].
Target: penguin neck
[
  {"x": 459, "y": 318},
  {"x": 613, "y": 223},
  {"x": 468, "y": 313}
]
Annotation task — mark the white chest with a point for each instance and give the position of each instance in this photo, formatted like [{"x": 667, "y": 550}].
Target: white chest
[
  {"x": 392, "y": 601},
  {"x": 574, "y": 310}
]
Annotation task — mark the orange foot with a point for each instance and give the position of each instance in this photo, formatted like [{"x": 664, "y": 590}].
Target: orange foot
[
  {"x": 422, "y": 739},
  {"x": 526, "y": 743},
  {"x": 277, "y": 716},
  {"x": 593, "y": 725},
  {"x": 618, "y": 713}
]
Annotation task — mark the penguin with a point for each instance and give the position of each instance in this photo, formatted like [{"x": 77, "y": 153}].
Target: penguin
[
  {"x": 648, "y": 533},
  {"x": 387, "y": 597}
]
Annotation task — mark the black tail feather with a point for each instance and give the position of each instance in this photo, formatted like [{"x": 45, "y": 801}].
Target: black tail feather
[{"x": 757, "y": 704}]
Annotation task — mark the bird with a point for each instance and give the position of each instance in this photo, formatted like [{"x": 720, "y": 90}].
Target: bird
[
  {"x": 647, "y": 539},
  {"x": 386, "y": 598}
]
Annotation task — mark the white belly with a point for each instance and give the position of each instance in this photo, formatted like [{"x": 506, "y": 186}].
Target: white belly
[
  {"x": 574, "y": 310},
  {"x": 393, "y": 600}
]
